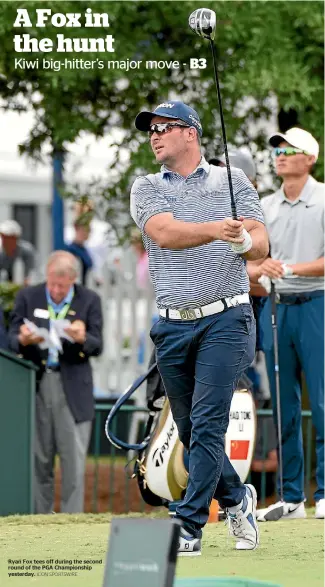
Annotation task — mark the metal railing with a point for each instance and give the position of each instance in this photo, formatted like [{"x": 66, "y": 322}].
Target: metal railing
[{"x": 109, "y": 486}]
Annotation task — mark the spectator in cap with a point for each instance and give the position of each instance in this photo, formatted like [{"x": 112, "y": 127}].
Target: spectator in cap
[
  {"x": 240, "y": 159},
  {"x": 294, "y": 217},
  {"x": 13, "y": 248}
]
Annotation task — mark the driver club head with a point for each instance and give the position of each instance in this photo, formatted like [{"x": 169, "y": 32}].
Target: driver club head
[{"x": 203, "y": 22}]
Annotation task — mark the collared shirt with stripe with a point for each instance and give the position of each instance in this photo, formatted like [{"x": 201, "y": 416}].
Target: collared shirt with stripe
[{"x": 196, "y": 276}]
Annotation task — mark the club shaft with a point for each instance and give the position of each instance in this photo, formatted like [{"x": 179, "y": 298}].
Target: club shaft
[
  {"x": 223, "y": 128},
  {"x": 277, "y": 384}
]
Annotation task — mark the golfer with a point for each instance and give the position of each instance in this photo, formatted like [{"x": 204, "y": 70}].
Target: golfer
[{"x": 205, "y": 337}]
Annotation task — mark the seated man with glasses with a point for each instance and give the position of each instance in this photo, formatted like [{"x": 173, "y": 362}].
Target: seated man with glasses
[{"x": 294, "y": 217}]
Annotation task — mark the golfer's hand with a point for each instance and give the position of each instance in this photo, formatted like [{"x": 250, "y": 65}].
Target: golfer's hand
[
  {"x": 231, "y": 230},
  {"x": 272, "y": 268},
  {"x": 77, "y": 331},
  {"x": 26, "y": 337}
]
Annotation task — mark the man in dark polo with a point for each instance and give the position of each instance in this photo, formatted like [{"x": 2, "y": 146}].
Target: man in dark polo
[{"x": 64, "y": 399}]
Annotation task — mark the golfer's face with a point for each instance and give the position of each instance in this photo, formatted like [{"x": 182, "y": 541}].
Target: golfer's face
[{"x": 170, "y": 145}]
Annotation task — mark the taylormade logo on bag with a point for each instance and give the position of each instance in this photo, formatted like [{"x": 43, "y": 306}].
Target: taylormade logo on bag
[{"x": 158, "y": 455}]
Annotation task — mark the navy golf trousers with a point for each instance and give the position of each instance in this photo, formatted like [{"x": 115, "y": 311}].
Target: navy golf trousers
[
  {"x": 200, "y": 362},
  {"x": 301, "y": 348}
]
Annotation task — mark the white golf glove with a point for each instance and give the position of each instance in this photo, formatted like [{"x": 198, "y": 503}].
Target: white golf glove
[
  {"x": 265, "y": 282},
  {"x": 243, "y": 247},
  {"x": 287, "y": 271}
]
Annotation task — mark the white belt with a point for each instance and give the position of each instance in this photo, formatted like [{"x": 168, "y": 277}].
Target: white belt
[{"x": 214, "y": 308}]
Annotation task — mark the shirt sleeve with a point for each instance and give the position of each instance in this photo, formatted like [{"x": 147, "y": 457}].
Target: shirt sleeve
[
  {"x": 247, "y": 201},
  {"x": 146, "y": 201}
]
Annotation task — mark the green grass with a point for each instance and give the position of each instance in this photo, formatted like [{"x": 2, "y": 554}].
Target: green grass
[{"x": 290, "y": 554}]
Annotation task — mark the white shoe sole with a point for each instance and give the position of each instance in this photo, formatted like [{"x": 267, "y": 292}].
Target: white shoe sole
[
  {"x": 243, "y": 545},
  {"x": 198, "y": 553},
  {"x": 246, "y": 546}
]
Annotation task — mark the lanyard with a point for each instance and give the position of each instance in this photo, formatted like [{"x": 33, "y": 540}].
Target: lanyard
[{"x": 62, "y": 314}]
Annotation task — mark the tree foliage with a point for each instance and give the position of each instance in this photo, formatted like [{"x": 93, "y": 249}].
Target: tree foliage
[{"x": 269, "y": 53}]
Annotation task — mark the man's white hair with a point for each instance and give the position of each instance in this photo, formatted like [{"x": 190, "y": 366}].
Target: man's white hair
[{"x": 63, "y": 263}]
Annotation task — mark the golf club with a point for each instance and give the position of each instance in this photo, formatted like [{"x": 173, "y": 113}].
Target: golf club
[
  {"x": 203, "y": 22},
  {"x": 277, "y": 513}
]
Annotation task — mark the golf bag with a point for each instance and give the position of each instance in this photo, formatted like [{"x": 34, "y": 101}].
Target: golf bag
[{"x": 161, "y": 468}]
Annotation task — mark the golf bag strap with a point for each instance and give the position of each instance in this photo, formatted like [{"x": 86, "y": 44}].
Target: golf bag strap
[{"x": 147, "y": 431}]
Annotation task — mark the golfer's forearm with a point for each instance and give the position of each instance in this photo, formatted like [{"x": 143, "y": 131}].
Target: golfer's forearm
[
  {"x": 184, "y": 235},
  {"x": 260, "y": 246},
  {"x": 311, "y": 269}
]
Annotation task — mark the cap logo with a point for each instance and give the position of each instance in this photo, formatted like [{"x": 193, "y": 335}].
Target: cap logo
[
  {"x": 195, "y": 120},
  {"x": 165, "y": 105}
]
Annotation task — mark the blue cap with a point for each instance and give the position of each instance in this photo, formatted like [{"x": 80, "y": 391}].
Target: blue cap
[{"x": 171, "y": 109}]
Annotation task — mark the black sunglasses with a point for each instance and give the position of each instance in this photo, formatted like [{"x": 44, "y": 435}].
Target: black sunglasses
[{"x": 164, "y": 127}]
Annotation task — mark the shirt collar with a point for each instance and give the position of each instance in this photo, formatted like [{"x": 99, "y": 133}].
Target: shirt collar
[
  {"x": 66, "y": 300},
  {"x": 305, "y": 193},
  {"x": 203, "y": 165}
]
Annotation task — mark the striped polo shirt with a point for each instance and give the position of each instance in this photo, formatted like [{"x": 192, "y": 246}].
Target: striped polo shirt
[{"x": 196, "y": 276}]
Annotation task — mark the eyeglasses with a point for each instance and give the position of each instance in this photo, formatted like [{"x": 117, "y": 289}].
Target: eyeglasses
[
  {"x": 165, "y": 127},
  {"x": 287, "y": 151}
]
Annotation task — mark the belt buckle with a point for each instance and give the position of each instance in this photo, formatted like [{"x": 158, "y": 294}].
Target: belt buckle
[
  {"x": 232, "y": 303},
  {"x": 187, "y": 314}
]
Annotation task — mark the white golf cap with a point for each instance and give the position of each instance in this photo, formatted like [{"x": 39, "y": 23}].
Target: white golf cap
[
  {"x": 296, "y": 137},
  {"x": 10, "y": 228}
]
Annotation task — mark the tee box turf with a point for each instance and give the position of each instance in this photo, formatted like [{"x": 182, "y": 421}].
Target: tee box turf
[
  {"x": 222, "y": 582},
  {"x": 141, "y": 552}
]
